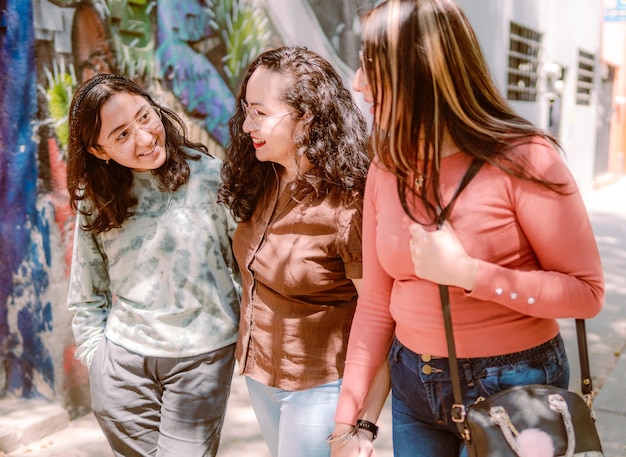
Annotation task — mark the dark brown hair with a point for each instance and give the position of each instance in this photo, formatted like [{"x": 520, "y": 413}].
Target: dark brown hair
[{"x": 105, "y": 189}]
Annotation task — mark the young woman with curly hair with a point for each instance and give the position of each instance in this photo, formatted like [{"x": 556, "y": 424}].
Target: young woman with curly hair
[{"x": 293, "y": 177}]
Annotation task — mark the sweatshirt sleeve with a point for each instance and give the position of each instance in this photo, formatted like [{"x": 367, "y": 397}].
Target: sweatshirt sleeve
[
  {"x": 569, "y": 282},
  {"x": 89, "y": 296}
]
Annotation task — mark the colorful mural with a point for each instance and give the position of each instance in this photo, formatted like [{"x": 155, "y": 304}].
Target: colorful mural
[
  {"x": 190, "y": 54},
  {"x": 25, "y": 314},
  {"x": 201, "y": 51}
]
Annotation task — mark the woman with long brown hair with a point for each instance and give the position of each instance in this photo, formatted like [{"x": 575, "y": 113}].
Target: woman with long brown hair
[{"x": 466, "y": 193}]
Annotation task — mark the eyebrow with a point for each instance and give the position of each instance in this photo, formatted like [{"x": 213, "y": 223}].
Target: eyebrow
[
  {"x": 123, "y": 126},
  {"x": 253, "y": 103}
]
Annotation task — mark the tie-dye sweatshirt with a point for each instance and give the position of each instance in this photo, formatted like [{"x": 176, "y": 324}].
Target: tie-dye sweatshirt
[{"x": 165, "y": 284}]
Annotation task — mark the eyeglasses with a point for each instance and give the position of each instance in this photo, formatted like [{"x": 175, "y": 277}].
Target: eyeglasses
[
  {"x": 124, "y": 141},
  {"x": 256, "y": 117}
]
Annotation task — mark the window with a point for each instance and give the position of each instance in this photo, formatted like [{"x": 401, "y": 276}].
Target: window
[
  {"x": 584, "y": 83},
  {"x": 524, "y": 47}
]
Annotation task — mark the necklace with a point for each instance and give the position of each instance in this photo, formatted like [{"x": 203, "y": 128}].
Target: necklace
[{"x": 419, "y": 182}]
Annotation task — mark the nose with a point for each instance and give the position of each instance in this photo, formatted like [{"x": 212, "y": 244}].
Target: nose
[
  {"x": 359, "y": 83},
  {"x": 142, "y": 135},
  {"x": 248, "y": 125}
]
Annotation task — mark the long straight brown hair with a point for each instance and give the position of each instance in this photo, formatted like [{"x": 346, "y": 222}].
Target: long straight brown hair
[{"x": 429, "y": 79}]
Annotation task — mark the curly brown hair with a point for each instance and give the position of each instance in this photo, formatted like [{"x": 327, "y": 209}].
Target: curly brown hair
[{"x": 333, "y": 137}]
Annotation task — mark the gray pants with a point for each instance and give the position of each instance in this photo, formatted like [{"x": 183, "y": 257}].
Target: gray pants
[{"x": 164, "y": 407}]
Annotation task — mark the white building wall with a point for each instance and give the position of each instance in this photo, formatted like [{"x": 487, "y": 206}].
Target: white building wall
[{"x": 567, "y": 26}]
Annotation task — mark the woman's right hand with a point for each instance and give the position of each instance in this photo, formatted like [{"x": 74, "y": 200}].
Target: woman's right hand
[{"x": 439, "y": 256}]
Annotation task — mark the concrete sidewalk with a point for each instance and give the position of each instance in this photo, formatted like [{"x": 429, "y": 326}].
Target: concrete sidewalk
[
  {"x": 606, "y": 333},
  {"x": 606, "y": 337}
]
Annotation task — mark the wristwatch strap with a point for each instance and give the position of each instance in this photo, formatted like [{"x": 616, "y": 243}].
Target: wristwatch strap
[{"x": 369, "y": 426}]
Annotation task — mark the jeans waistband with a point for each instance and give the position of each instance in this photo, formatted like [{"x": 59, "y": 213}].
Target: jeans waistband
[{"x": 552, "y": 347}]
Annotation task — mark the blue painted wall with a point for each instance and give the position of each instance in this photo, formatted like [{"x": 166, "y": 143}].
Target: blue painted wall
[{"x": 24, "y": 315}]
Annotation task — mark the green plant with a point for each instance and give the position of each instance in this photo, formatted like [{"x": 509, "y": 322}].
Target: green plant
[
  {"x": 61, "y": 85},
  {"x": 244, "y": 32}
]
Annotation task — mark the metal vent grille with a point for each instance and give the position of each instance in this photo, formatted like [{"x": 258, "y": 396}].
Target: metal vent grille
[
  {"x": 584, "y": 83},
  {"x": 524, "y": 47}
]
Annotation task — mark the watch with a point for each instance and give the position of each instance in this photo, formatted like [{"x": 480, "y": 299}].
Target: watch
[{"x": 369, "y": 426}]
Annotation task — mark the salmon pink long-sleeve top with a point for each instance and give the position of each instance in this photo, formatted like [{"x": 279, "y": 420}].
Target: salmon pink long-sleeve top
[{"x": 538, "y": 261}]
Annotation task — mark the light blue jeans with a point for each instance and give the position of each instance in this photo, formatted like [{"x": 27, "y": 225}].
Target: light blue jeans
[
  {"x": 421, "y": 393},
  {"x": 295, "y": 423}
]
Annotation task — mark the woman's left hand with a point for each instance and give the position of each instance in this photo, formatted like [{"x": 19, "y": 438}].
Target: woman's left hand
[
  {"x": 360, "y": 445},
  {"x": 439, "y": 257}
]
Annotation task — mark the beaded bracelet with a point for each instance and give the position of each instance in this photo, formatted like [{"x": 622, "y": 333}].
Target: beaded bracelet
[{"x": 336, "y": 442}]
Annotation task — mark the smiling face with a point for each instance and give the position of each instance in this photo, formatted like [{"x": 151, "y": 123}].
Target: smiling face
[
  {"x": 272, "y": 132},
  {"x": 131, "y": 133}
]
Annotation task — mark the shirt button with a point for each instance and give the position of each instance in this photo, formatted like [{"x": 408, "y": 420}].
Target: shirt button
[
  {"x": 427, "y": 369},
  {"x": 513, "y": 296},
  {"x": 499, "y": 291},
  {"x": 531, "y": 301}
]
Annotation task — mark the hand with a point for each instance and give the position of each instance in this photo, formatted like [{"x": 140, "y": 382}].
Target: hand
[
  {"x": 366, "y": 445},
  {"x": 439, "y": 257},
  {"x": 359, "y": 446}
]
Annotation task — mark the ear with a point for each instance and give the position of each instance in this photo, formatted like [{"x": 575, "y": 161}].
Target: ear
[
  {"x": 99, "y": 153},
  {"x": 302, "y": 125}
]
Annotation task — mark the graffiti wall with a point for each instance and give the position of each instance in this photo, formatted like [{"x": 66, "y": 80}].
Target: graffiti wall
[{"x": 190, "y": 54}]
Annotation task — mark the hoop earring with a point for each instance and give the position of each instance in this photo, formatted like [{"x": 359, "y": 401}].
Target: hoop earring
[{"x": 107, "y": 160}]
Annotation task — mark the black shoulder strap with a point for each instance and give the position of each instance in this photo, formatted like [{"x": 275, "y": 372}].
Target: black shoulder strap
[
  {"x": 467, "y": 177},
  {"x": 458, "y": 409}
]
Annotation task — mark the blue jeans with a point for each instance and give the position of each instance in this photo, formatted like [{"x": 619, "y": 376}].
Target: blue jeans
[
  {"x": 422, "y": 392},
  {"x": 295, "y": 423}
]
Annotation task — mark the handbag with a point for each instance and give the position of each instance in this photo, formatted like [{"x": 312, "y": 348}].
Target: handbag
[
  {"x": 526, "y": 421},
  {"x": 523, "y": 421}
]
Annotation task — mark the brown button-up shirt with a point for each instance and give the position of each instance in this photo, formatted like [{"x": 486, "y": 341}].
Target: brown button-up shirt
[{"x": 297, "y": 255}]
